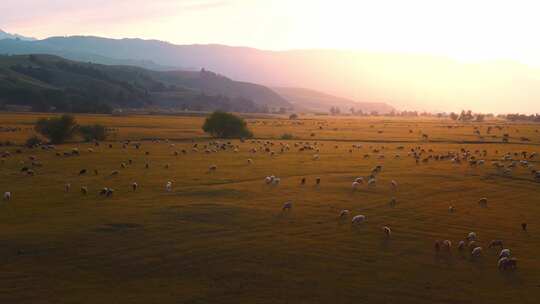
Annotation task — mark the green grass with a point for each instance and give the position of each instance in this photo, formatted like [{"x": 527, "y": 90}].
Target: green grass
[{"x": 221, "y": 237}]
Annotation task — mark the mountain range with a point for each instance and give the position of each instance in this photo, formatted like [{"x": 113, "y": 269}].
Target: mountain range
[{"x": 244, "y": 64}]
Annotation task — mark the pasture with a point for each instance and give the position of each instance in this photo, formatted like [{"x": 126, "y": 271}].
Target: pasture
[{"x": 222, "y": 237}]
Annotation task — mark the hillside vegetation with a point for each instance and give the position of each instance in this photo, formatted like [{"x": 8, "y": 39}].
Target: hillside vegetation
[{"x": 47, "y": 82}]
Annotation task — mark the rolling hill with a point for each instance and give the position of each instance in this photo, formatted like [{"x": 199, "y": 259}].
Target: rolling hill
[{"x": 47, "y": 82}]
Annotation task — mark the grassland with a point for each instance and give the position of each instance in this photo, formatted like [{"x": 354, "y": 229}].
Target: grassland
[{"x": 221, "y": 237}]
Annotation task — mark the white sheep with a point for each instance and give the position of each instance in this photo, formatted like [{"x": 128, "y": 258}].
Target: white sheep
[
  {"x": 505, "y": 253},
  {"x": 483, "y": 202},
  {"x": 387, "y": 231},
  {"x": 476, "y": 252},
  {"x": 359, "y": 180},
  {"x": 451, "y": 209},
  {"x": 134, "y": 186},
  {"x": 212, "y": 168},
  {"x": 501, "y": 264},
  {"x": 447, "y": 244},
  {"x": 471, "y": 236},
  {"x": 250, "y": 161},
  {"x": 355, "y": 185},
  {"x": 7, "y": 196},
  {"x": 168, "y": 186},
  {"x": 371, "y": 182},
  {"x": 461, "y": 245},
  {"x": 344, "y": 213},
  {"x": 394, "y": 185},
  {"x": 357, "y": 219}
]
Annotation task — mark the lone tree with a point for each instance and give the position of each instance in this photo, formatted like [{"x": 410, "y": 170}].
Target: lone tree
[
  {"x": 57, "y": 129},
  {"x": 93, "y": 132},
  {"x": 226, "y": 125}
]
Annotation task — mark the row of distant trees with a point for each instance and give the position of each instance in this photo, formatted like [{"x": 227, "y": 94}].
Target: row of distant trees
[{"x": 465, "y": 115}]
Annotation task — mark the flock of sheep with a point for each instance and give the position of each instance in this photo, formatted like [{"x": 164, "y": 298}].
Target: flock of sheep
[{"x": 507, "y": 162}]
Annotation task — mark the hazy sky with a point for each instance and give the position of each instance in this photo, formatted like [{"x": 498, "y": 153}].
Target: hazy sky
[{"x": 468, "y": 30}]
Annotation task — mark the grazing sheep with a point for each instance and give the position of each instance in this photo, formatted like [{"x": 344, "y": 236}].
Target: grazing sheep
[
  {"x": 494, "y": 243},
  {"x": 471, "y": 236},
  {"x": 501, "y": 264},
  {"x": 114, "y": 173},
  {"x": 476, "y": 252},
  {"x": 7, "y": 196},
  {"x": 84, "y": 190},
  {"x": 134, "y": 186},
  {"x": 287, "y": 206},
  {"x": 355, "y": 185},
  {"x": 461, "y": 245},
  {"x": 387, "y": 231},
  {"x": 82, "y": 172},
  {"x": 103, "y": 191},
  {"x": 168, "y": 186},
  {"x": 269, "y": 179},
  {"x": 358, "y": 219},
  {"x": 505, "y": 253},
  {"x": 344, "y": 213},
  {"x": 359, "y": 180},
  {"x": 276, "y": 181},
  {"x": 371, "y": 182},
  {"x": 108, "y": 192},
  {"x": 394, "y": 185},
  {"x": 483, "y": 202},
  {"x": 447, "y": 244},
  {"x": 250, "y": 161},
  {"x": 67, "y": 187}
]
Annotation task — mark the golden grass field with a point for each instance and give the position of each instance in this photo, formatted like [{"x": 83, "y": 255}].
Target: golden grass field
[{"x": 221, "y": 237}]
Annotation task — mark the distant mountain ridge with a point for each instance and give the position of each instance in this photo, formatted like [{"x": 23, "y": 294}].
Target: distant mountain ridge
[
  {"x": 313, "y": 101},
  {"x": 405, "y": 81},
  {"x": 5, "y": 35}
]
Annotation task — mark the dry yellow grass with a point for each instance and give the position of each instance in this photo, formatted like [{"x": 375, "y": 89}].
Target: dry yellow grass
[{"x": 221, "y": 237}]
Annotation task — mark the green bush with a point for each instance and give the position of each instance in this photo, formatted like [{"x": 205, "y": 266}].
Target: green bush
[
  {"x": 226, "y": 125},
  {"x": 57, "y": 129},
  {"x": 93, "y": 132},
  {"x": 33, "y": 141},
  {"x": 287, "y": 136}
]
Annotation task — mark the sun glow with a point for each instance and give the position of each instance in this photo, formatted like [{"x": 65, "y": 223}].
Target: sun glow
[{"x": 468, "y": 30}]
